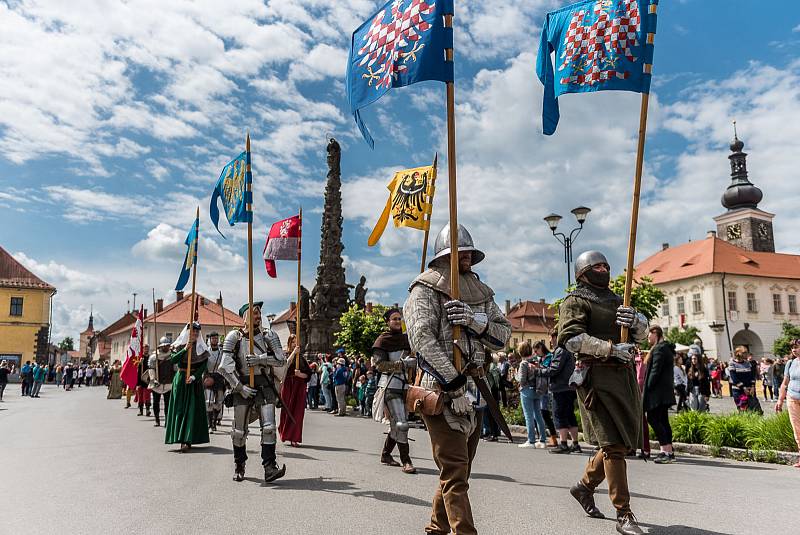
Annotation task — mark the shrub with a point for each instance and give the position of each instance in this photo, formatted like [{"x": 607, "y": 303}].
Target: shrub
[
  {"x": 771, "y": 433},
  {"x": 731, "y": 430},
  {"x": 513, "y": 415},
  {"x": 689, "y": 427}
]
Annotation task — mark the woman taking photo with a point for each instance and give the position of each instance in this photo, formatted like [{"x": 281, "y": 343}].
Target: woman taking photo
[
  {"x": 529, "y": 398},
  {"x": 790, "y": 392}
]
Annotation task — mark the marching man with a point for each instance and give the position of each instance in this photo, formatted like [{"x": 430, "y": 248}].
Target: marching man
[
  {"x": 261, "y": 398},
  {"x": 161, "y": 371},
  {"x": 214, "y": 383}
]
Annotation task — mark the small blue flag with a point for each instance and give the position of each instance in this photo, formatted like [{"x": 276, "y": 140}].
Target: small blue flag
[
  {"x": 234, "y": 187},
  {"x": 191, "y": 256},
  {"x": 403, "y": 43},
  {"x": 599, "y": 45}
]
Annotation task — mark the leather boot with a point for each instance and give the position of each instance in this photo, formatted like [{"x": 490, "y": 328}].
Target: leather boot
[
  {"x": 552, "y": 442},
  {"x": 585, "y": 497},
  {"x": 627, "y": 524},
  {"x": 405, "y": 458},
  {"x": 158, "y": 422},
  {"x": 386, "y": 454},
  {"x": 238, "y": 472},
  {"x": 141, "y": 410},
  {"x": 147, "y": 411},
  {"x": 273, "y": 472}
]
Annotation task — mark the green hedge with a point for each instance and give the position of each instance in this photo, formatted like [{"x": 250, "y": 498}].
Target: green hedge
[{"x": 738, "y": 430}]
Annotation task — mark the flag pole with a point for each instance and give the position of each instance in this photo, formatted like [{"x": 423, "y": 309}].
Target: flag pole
[
  {"x": 222, "y": 311},
  {"x": 189, "y": 346},
  {"x": 155, "y": 330},
  {"x": 297, "y": 308},
  {"x": 453, "y": 198},
  {"x": 250, "y": 260},
  {"x": 637, "y": 189},
  {"x": 428, "y": 227}
]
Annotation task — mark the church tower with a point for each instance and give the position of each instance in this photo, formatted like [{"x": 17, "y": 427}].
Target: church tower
[{"x": 744, "y": 224}]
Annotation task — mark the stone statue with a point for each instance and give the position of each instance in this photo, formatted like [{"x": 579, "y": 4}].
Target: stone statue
[{"x": 360, "y": 297}]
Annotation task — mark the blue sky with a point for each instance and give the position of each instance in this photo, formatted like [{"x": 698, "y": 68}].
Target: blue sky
[{"x": 116, "y": 118}]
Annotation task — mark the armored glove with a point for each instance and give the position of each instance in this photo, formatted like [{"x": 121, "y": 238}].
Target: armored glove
[
  {"x": 460, "y": 313},
  {"x": 191, "y": 378},
  {"x": 627, "y": 317},
  {"x": 461, "y": 405},
  {"x": 245, "y": 391},
  {"x": 623, "y": 352},
  {"x": 258, "y": 360}
]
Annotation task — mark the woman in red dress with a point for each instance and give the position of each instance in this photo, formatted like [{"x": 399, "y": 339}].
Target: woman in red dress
[{"x": 293, "y": 395}]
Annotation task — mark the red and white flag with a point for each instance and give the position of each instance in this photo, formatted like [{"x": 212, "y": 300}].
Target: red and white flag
[
  {"x": 130, "y": 369},
  {"x": 283, "y": 243}
]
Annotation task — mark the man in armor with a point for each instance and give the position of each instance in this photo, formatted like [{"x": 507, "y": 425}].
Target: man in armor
[
  {"x": 261, "y": 398},
  {"x": 430, "y": 315},
  {"x": 590, "y": 322},
  {"x": 391, "y": 356},
  {"x": 214, "y": 383},
  {"x": 161, "y": 372}
]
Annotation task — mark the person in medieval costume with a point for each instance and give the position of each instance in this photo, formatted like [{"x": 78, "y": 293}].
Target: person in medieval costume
[
  {"x": 391, "y": 355},
  {"x": 162, "y": 372},
  {"x": 186, "y": 418},
  {"x": 214, "y": 383},
  {"x": 115, "y": 382},
  {"x": 293, "y": 395},
  {"x": 430, "y": 316},
  {"x": 258, "y": 401},
  {"x": 589, "y": 326},
  {"x": 143, "y": 382}
]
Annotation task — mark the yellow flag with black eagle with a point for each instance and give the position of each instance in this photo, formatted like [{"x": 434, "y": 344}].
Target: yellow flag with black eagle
[{"x": 410, "y": 201}]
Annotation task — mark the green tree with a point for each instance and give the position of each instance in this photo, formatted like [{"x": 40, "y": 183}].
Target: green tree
[
  {"x": 781, "y": 346},
  {"x": 359, "y": 329},
  {"x": 685, "y": 336},
  {"x": 67, "y": 344},
  {"x": 645, "y": 296}
]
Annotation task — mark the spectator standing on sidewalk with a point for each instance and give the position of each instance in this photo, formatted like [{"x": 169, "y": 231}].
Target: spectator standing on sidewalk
[
  {"x": 790, "y": 392},
  {"x": 658, "y": 392},
  {"x": 89, "y": 374},
  {"x": 39, "y": 375},
  {"x": 372, "y": 388},
  {"x": 529, "y": 398},
  {"x": 543, "y": 387},
  {"x": 642, "y": 360},
  {"x": 25, "y": 374},
  {"x": 560, "y": 368},
  {"x": 698, "y": 383},
  {"x": 340, "y": 379},
  {"x": 4, "y": 373},
  {"x": 679, "y": 380},
  {"x": 743, "y": 377},
  {"x": 312, "y": 401}
]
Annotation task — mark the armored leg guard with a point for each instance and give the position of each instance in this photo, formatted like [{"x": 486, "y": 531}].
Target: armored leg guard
[
  {"x": 268, "y": 427},
  {"x": 398, "y": 420}
]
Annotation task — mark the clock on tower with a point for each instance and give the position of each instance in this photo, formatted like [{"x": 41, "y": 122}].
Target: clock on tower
[{"x": 734, "y": 232}]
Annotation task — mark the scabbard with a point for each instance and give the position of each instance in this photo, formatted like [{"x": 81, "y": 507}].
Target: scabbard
[{"x": 491, "y": 403}]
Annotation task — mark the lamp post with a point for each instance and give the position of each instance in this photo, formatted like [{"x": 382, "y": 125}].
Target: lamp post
[
  {"x": 717, "y": 329},
  {"x": 580, "y": 213}
]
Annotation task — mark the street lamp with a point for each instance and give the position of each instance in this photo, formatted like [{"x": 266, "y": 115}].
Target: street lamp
[{"x": 552, "y": 220}]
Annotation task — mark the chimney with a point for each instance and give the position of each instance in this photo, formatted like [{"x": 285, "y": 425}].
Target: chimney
[
  {"x": 712, "y": 234},
  {"x": 202, "y": 301},
  {"x": 664, "y": 246},
  {"x": 368, "y": 307},
  {"x": 160, "y": 306},
  {"x": 179, "y": 295},
  {"x": 542, "y": 301},
  {"x": 292, "y": 305},
  {"x": 145, "y": 313},
  {"x": 508, "y": 306},
  {"x": 219, "y": 301}
]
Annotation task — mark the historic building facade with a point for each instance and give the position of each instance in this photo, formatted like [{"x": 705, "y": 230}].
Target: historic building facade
[
  {"x": 25, "y": 306},
  {"x": 732, "y": 285}
]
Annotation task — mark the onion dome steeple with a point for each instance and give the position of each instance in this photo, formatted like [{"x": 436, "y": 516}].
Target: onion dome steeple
[{"x": 741, "y": 193}]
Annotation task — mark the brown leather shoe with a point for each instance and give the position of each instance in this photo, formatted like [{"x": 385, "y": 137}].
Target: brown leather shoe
[
  {"x": 388, "y": 460},
  {"x": 627, "y": 525},
  {"x": 408, "y": 468},
  {"x": 585, "y": 497}
]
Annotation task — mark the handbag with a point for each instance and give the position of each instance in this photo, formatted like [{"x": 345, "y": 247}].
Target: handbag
[{"x": 423, "y": 400}]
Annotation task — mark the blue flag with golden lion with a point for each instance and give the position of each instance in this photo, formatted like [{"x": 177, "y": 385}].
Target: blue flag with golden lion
[{"x": 235, "y": 190}]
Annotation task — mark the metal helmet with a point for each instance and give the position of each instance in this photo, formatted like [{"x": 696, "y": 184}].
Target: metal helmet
[
  {"x": 441, "y": 247},
  {"x": 163, "y": 342},
  {"x": 588, "y": 259}
]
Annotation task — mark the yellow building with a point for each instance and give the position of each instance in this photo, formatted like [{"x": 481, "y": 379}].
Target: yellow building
[{"x": 24, "y": 313}]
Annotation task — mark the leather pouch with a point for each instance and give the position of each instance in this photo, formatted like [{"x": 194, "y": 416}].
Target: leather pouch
[{"x": 422, "y": 400}]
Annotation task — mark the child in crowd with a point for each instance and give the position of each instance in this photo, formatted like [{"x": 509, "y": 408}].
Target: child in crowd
[
  {"x": 361, "y": 394},
  {"x": 369, "y": 393}
]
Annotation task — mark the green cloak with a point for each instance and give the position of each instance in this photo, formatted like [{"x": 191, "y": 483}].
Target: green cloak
[{"x": 187, "y": 422}]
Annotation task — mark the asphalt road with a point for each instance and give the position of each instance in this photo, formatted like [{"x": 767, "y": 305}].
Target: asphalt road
[{"x": 74, "y": 462}]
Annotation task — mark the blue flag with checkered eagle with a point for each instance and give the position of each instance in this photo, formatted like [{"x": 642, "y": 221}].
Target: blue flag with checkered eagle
[
  {"x": 234, "y": 187},
  {"x": 402, "y": 44},
  {"x": 598, "y": 45}
]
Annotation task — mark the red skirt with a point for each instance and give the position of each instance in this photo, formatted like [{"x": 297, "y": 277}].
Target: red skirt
[{"x": 293, "y": 394}]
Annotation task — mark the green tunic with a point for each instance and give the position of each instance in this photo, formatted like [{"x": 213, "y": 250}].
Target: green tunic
[
  {"x": 187, "y": 422},
  {"x": 611, "y": 407}
]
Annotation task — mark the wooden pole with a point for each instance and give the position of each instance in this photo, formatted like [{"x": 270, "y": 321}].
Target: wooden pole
[
  {"x": 637, "y": 189},
  {"x": 297, "y": 308},
  {"x": 222, "y": 311},
  {"x": 190, "y": 346},
  {"x": 428, "y": 228},
  {"x": 155, "y": 331},
  {"x": 250, "y": 262},
  {"x": 453, "y": 198}
]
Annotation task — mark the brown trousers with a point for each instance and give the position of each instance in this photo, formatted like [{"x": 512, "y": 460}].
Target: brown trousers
[
  {"x": 609, "y": 463},
  {"x": 453, "y": 453}
]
